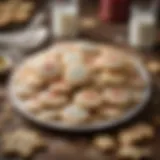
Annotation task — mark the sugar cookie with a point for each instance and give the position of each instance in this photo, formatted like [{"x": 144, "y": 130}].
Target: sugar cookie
[{"x": 88, "y": 99}]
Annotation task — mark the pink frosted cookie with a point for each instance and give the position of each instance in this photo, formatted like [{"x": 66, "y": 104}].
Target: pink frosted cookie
[
  {"x": 88, "y": 99},
  {"x": 117, "y": 96},
  {"x": 60, "y": 87},
  {"x": 26, "y": 82},
  {"x": 52, "y": 99},
  {"x": 76, "y": 74},
  {"x": 48, "y": 68},
  {"x": 26, "y": 74},
  {"x": 73, "y": 114}
]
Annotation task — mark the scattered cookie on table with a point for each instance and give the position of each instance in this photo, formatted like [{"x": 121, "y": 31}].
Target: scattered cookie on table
[
  {"x": 133, "y": 153},
  {"x": 22, "y": 142},
  {"x": 104, "y": 143},
  {"x": 136, "y": 134}
]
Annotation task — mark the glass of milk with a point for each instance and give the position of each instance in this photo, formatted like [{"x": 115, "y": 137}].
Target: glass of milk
[
  {"x": 65, "y": 18},
  {"x": 142, "y": 29}
]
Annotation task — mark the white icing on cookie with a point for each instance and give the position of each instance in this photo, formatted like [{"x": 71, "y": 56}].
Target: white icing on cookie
[
  {"x": 76, "y": 74},
  {"x": 70, "y": 58},
  {"x": 73, "y": 114}
]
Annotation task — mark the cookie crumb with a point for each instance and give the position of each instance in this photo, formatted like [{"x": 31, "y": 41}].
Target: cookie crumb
[
  {"x": 132, "y": 152},
  {"x": 136, "y": 134}
]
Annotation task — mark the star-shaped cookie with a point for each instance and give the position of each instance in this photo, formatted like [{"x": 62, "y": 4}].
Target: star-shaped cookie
[{"x": 22, "y": 142}]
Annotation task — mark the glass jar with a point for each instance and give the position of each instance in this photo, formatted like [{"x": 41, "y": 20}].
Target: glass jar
[
  {"x": 142, "y": 28},
  {"x": 65, "y": 18}
]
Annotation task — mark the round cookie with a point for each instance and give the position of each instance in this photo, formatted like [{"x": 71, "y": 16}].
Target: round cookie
[
  {"x": 48, "y": 68},
  {"x": 111, "y": 112},
  {"x": 60, "y": 87},
  {"x": 88, "y": 99},
  {"x": 24, "y": 91},
  {"x": 76, "y": 75},
  {"x": 110, "y": 61},
  {"x": 52, "y": 99},
  {"x": 48, "y": 116},
  {"x": 71, "y": 58},
  {"x": 33, "y": 105},
  {"x": 107, "y": 78},
  {"x": 117, "y": 96},
  {"x": 73, "y": 114}
]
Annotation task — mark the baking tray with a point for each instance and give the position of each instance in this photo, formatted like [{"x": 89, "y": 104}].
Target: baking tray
[
  {"x": 136, "y": 110},
  {"x": 40, "y": 6}
]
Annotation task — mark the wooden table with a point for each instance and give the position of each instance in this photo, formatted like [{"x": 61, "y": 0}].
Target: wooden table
[{"x": 63, "y": 146}]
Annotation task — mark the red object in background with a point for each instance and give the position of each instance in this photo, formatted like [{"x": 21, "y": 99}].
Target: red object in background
[{"x": 114, "y": 10}]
